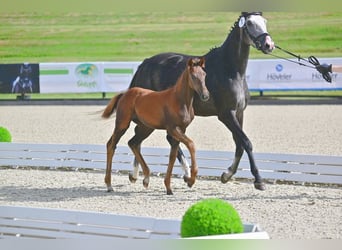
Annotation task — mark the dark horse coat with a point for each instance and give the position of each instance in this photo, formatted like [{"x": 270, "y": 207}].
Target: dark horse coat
[{"x": 226, "y": 81}]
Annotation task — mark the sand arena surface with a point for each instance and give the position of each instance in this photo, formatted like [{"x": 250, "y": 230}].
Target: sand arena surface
[{"x": 284, "y": 211}]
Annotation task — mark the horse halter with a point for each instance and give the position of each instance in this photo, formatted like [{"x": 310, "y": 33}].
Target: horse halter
[{"x": 257, "y": 40}]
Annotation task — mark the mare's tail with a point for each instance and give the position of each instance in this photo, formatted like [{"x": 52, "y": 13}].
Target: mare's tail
[{"x": 111, "y": 106}]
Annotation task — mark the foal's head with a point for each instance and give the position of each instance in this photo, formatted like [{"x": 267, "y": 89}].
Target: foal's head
[{"x": 197, "y": 77}]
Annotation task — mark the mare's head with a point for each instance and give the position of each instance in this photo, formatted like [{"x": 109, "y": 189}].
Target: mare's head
[
  {"x": 197, "y": 77},
  {"x": 255, "y": 31}
]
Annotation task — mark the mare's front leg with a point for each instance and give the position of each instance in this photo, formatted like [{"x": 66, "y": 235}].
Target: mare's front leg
[
  {"x": 141, "y": 133},
  {"x": 111, "y": 146},
  {"x": 226, "y": 176},
  {"x": 179, "y": 135},
  {"x": 230, "y": 119}
]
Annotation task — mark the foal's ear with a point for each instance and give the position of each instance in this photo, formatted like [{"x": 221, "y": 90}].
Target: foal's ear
[
  {"x": 202, "y": 62},
  {"x": 191, "y": 62}
]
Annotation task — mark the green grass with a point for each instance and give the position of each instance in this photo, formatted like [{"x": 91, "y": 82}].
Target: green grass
[
  {"x": 133, "y": 36},
  {"x": 60, "y": 37}
]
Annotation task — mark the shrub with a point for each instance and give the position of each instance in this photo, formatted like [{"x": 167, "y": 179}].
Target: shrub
[
  {"x": 210, "y": 217},
  {"x": 5, "y": 135}
]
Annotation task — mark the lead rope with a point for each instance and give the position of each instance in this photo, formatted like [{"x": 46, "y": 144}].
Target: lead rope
[{"x": 311, "y": 59}]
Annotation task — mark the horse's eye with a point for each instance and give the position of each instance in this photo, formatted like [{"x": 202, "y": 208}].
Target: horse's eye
[{"x": 249, "y": 23}]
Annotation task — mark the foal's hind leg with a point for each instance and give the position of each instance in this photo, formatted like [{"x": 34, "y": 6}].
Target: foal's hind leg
[
  {"x": 111, "y": 146},
  {"x": 141, "y": 133}
]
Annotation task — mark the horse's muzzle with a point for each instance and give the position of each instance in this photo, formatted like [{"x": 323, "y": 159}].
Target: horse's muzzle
[{"x": 267, "y": 45}]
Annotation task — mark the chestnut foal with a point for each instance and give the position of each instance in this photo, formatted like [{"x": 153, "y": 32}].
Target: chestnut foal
[{"x": 170, "y": 109}]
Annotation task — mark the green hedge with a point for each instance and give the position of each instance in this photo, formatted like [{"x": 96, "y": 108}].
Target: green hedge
[
  {"x": 210, "y": 217},
  {"x": 5, "y": 135}
]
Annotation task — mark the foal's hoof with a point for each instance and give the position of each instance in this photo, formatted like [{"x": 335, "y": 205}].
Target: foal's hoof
[
  {"x": 110, "y": 189},
  {"x": 260, "y": 186},
  {"x": 169, "y": 192},
  {"x": 146, "y": 181},
  {"x": 131, "y": 178},
  {"x": 189, "y": 181},
  {"x": 226, "y": 176}
]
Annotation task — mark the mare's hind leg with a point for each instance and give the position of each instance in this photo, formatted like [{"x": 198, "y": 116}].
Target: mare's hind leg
[
  {"x": 181, "y": 158},
  {"x": 141, "y": 133},
  {"x": 111, "y": 146},
  {"x": 230, "y": 119},
  {"x": 133, "y": 177}
]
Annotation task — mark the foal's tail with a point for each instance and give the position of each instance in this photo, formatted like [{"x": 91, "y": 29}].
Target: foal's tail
[{"x": 111, "y": 106}]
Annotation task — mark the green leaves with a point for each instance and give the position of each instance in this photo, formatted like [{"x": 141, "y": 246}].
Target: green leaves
[
  {"x": 5, "y": 135},
  {"x": 210, "y": 217}
]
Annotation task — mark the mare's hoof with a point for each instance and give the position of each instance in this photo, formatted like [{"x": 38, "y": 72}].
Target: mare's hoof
[
  {"x": 110, "y": 189},
  {"x": 146, "y": 181},
  {"x": 260, "y": 186},
  {"x": 169, "y": 192},
  {"x": 226, "y": 176},
  {"x": 131, "y": 178}
]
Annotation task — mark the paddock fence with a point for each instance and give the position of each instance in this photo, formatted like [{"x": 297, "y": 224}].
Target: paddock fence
[{"x": 274, "y": 168}]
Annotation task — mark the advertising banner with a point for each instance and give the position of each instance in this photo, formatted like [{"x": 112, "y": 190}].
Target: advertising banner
[
  {"x": 118, "y": 75},
  {"x": 70, "y": 77},
  {"x": 86, "y": 77},
  {"x": 19, "y": 78},
  {"x": 262, "y": 75}
]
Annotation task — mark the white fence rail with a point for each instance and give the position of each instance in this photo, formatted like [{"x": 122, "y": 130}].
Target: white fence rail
[
  {"x": 304, "y": 169},
  {"x": 26, "y": 222}
]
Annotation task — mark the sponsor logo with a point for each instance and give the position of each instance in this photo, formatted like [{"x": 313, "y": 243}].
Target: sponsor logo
[
  {"x": 279, "y": 76},
  {"x": 279, "y": 68},
  {"x": 87, "y": 74},
  {"x": 317, "y": 77}
]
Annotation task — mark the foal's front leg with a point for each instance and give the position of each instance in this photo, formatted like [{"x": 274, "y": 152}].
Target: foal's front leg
[
  {"x": 179, "y": 135},
  {"x": 172, "y": 158},
  {"x": 181, "y": 158}
]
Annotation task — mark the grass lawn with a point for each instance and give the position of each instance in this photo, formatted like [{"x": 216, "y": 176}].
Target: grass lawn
[
  {"x": 133, "y": 36},
  {"x": 65, "y": 37}
]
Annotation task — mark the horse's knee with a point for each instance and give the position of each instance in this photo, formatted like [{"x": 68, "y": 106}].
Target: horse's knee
[
  {"x": 248, "y": 145},
  {"x": 191, "y": 147}
]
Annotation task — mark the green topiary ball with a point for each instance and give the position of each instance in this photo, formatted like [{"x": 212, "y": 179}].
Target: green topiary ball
[
  {"x": 210, "y": 217},
  {"x": 5, "y": 135}
]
